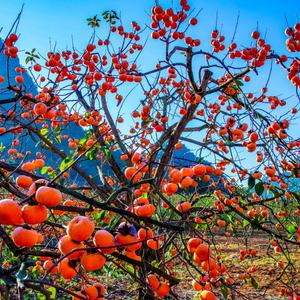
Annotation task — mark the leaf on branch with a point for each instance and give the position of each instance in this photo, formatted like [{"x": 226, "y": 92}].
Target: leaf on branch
[
  {"x": 259, "y": 188},
  {"x": 254, "y": 283},
  {"x": 99, "y": 216},
  {"x": 93, "y": 22},
  {"x": 44, "y": 131},
  {"x": 67, "y": 162},
  {"x": 238, "y": 82},
  {"x": 57, "y": 130},
  {"x": 31, "y": 56},
  {"x": 110, "y": 16},
  {"x": 58, "y": 139},
  {"x": 92, "y": 154},
  {"x": 245, "y": 223},
  {"x": 292, "y": 229},
  {"x": 82, "y": 141},
  {"x": 44, "y": 170},
  {"x": 251, "y": 182},
  {"x": 2, "y": 147}
]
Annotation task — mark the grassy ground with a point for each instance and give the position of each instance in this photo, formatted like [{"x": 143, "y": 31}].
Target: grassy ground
[{"x": 268, "y": 275}]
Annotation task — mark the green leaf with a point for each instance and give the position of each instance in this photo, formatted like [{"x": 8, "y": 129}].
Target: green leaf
[
  {"x": 200, "y": 159},
  {"x": 94, "y": 22},
  {"x": 239, "y": 83},
  {"x": 57, "y": 130},
  {"x": 254, "y": 283},
  {"x": 65, "y": 163},
  {"x": 224, "y": 292},
  {"x": 82, "y": 141},
  {"x": 52, "y": 175},
  {"x": 99, "y": 216},
  {"x": 58, "y": 139},
  {"x": 259, "y": 188},
  {"x": 275, "y": 193},
  {"x": 291, "y": 229},
  {"x": 110, "y": 16},
  {"x": 53, "y": 292},
  {"x": 107, "y": 153},
  {"x": 31, "y": 56},
  {"x": 2, "y": 147},
  {"x": 44, "y": 170},
  {"x": 40, "y": 296},
  {"x": 245, "y": 223},
  {"x": 44, "y": 131},
  {"x": 92, "y": 154},
  {"x": 130, "y": 268},
  {"x": 251, "y": 182}
]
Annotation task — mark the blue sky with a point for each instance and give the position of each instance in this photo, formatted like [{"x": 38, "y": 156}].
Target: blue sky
[{"x": 60, "y": 21}]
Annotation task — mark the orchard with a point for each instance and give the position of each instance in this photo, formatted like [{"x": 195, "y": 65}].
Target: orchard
[{"x": 155, "y": 228}]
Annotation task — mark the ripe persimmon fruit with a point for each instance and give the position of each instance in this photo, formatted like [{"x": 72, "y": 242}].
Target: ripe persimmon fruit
[
  {"x": 183, "y": 206},
  {"x": 192, "y": 244},
  {"x": 153, "y": 244},
  {"x": 209, "y": 265},
  {"x": 131, "y": 173},
  {"x": 92, "y": 261},
  {"x": 25, "y": 237},
  {"x": 101, "y": 290},
  {"x": 131, "y": 254},
  {"x": 49, "y": 264},
  {"x": 34, "y": 214},
  {"x": 196, "y": 285},
  {"x": 171, "y": 188},
  {"x": 90, "y": 291},
  {"x": 48, "y": 196},
  {"x": 24, "y": 181},
  {"x": 80, "y": 228},
  {"x": 146, "y": 210},
  {"x": 175, "y": 176},
  {"x": 163, "y": 290},
  {"x": 38, "y": 163},
  {"x": 126, "y": 239},
  {"x": 66, "y": 245},
  {"x": 199, "y": 170},
  {"x": 28, "y": 167},
  {"x": 186, "y": 182},
  {"x": 207, "y": 295},
  {"x": 67, "y": 269},
  {"x": 40, "y": 108},
  {"x": 202, "y": 252},
  {"x": 104, "y": 238},
  {"x": 153, "y": 281},
  {"x": 145, "y": 233},
  {"x": 10, "y": 212},
  {"x": 187, "y": 172}
]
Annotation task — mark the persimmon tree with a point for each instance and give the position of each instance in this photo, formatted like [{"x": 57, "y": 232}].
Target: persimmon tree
[{"x": 142, "y": 214}]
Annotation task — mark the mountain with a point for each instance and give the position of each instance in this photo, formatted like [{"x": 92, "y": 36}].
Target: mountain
[{"x": 8, "y": 71}]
